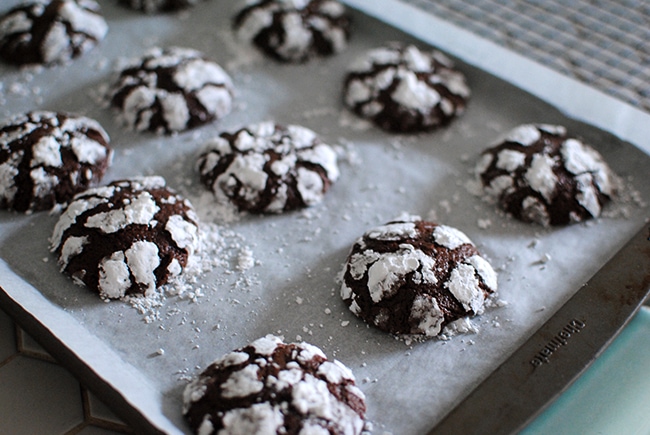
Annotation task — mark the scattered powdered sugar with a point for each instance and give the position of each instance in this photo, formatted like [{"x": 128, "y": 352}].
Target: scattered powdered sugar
[
  {"x": 220, "y": 247},
  {"x": 627, "y": 198},
  {"x": 210, "y": 210},
  {"x": 241, "y": 55},
  {"x": 484, "y": 223},
  {"x": 217, "y": 245}
]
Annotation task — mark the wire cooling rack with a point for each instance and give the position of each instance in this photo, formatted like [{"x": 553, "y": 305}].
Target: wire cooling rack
[{"x": 603, "y": 43}]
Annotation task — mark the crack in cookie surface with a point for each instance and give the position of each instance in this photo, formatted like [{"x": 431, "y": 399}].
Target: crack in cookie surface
[{"x": 413, "y": 277}]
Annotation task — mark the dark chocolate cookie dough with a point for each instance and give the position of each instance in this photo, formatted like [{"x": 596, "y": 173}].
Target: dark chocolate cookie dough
[
  {"x": 171, "y": 90},
  {"x": 270, "y": 387},
  {"x": 51, "y": 32},
  {"x": 268, "y": 168},
  {"x": 126, "y": 238},
  {"x": 47, "y": 157},
  {"x": 404, "y": 89},
  {"x": 538, "y": 173},
  {"x": 413, "y": 277},
  {"x": 152, "y": 6},
  {"x": 294, "y": 31}
]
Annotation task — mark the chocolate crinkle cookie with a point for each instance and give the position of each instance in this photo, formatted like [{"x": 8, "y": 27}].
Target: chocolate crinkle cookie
[
  {"x": 294, "y": 30},
  {"x": 50, "y": 32},
  {"x": 152, "y": 6},
  {"x": 411, "y": 278},
  {"x": 171, "y": 90},
  {"x": 47, "y": 157},
  {"x": 270, "y": 387},
  {"x": 403, "y": 89},
  {"x": 538, "y": 173},
  {"x": 268, "y": 168},
  {"x": 126, "y": 238}
]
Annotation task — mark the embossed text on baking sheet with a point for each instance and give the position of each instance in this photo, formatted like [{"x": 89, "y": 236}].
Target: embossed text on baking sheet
[{"x": 560, "y": 339}]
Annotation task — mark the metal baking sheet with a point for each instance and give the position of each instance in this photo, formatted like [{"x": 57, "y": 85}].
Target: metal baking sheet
[{"x": 140, "y": 361}]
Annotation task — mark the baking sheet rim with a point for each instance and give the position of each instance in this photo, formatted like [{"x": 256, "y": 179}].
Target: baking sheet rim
[
  {"x": 140, "y": 406},
  {"x": 30, "y": 309}
]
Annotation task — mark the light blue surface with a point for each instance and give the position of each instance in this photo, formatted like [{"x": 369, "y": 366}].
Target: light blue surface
[{"x": 613, "y": 396}]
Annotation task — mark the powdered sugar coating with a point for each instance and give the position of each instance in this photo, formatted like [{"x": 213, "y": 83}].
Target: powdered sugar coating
[
  {"x": 270, "y": 387},
  {"x": 294, "y": 31},
  {"x": 170, "y": 90},
  {"x": 50, "y": 32},
  {"x": 539, "y": 174},
  {"x": 268, "y": 168},
  {"x": 416, "y": 284},
  {"x": 403, "y": 89},
  {"x": 127, "y": 238},
  {"x": 47, "y": 157}
]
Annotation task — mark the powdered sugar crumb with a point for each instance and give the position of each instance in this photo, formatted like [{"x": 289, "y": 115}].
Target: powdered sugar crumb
[
  {"x": 460, "y": 326},
  {"x": 484, "y": 223},
  {"x": 627, "y": 197},
  {"x": 219, "y": 248},
  {"x": 349, "y": 120},
  {"x": 209, "y": 210},
  {"x": 245, "y": 259}
]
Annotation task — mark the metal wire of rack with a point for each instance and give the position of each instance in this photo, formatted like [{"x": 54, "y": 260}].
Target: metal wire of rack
[{"x": 603, "y": 43}]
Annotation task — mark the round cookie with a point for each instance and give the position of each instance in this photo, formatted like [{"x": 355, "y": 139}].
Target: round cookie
[
  {"x": 268, "y": 168},
  {"x": 51, "y": 32},
  {"x": 413, "y": 277},
  {"x": 539, "y": 174},
  {"x": 170, "y": 90},
  {"x": 294, "y": 30},
  {"x": 270, "y": 387},
  {"x": 403, "y": 89},
  {"x": 47, "y": 157},
  {"x": 152, "y": 6},
  {"x": 126, "y": 238}
]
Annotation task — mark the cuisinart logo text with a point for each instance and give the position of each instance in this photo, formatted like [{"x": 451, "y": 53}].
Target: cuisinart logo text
[{"x": 560, "y": 339}]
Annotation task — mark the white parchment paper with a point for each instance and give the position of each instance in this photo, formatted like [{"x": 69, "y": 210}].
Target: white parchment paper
[{"x": 292, "y": 289}]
